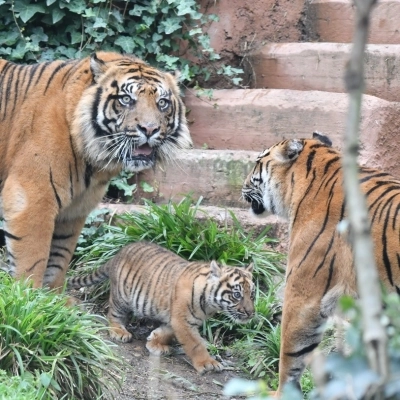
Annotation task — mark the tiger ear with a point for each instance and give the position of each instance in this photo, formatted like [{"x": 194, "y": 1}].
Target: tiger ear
[
  {"x": 322, "y": 138},
  {"x": 289, "y": 150},
  {"x": 215, "y": 269},
  {"x": 97, "y": 66},
  {"x": 249, "y": 268}
]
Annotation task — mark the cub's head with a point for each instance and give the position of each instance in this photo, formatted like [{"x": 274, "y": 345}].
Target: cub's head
[
  {"x": 234, "y": 294},
  {"x": 269, "y": 184},
  {"x": 131, "y": 115}
]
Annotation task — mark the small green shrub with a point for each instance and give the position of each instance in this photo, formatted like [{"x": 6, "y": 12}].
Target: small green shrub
[
  {"x": 52, "y": 346},
  {"x": 26, "y": 387}
]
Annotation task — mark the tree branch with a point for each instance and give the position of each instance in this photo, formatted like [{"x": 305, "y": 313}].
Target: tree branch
[{"x": 369, "y": 290}]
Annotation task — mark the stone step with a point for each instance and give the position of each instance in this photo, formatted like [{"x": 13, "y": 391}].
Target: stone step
[
  {"x": 321, "y": 66},
  {"x": 279, "y": 227},
  {"x": 333, "y": 21},
  {"x": 216, "y": 175},
  {"x": 254, "y": 119}
]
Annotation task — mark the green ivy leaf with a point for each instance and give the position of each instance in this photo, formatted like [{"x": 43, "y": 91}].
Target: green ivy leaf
[
  {"x": 126, "y": 43},
  {"x": 19, "y": 52},
  {"x": 26, "y": 11},
  {"x": 9, "y": 38},
  {"x": 76, "y": 37},
  {"x": 57, "y": 15},
  {"x": 99, "y": 23},
  {"x": 170, "y": 25},
  {"x": 75, "y": 6},
  {"x": 50, "y": 2},
  {"x": 146, "y": 187}
]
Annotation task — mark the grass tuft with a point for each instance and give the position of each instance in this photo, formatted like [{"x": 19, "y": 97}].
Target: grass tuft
[{"x": 58, "y": 348}]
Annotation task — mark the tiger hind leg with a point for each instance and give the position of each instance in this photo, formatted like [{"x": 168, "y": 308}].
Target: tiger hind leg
[
  {"x": 303, "y": 324},
  {"x": 117, "y": 318},
  {"x": 158, "y": 341}
]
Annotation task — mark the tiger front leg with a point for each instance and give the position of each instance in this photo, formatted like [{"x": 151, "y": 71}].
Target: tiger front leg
[
  {"x": 301, "y": 333},
  {"x": 29, "y": 217},
  {"x": 63, "y": 244},
  {"x": 194, "y": 346}
]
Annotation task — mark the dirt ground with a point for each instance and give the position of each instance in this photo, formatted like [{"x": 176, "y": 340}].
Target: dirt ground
[{"x": 169, "y": 377}]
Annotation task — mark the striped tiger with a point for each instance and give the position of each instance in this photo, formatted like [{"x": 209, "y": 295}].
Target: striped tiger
[
  {"x": 66, "y": 128},
  {"x": 301, "y": 180},
  {"x": 153, "y": 282}
]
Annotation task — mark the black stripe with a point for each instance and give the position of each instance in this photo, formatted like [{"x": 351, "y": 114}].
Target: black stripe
[
  {"x": 11, "y": 236},
  {"x": 75, "y": 159},
  {"x": 62, "y": 237},
  {"x": 88, "y": 174},
  {"x": 376, "y": 175},
  {"x": 386, "y": 261},
  {"x": 55, "y": 190},
  {"x": 58, "y": 68},
  {"x": 310, "y": 159},
  {"x": 305, "y": 350},
  {"x": 34, "y": 265},
  {"x": 321, "y": 264},
  {"x": 322, "y": 227},
  {"x": 328, "y": 282},
  {"x": 32, "y": 72}
]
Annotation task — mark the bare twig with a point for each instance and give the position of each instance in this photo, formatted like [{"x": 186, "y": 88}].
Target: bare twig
[{"x": 369, "y": 291}]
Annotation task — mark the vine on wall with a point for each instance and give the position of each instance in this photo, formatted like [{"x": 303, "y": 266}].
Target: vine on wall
[{"x": 166, "y": 33}]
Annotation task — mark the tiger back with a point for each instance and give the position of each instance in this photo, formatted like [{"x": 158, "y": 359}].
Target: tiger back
[
  {"x": 66, "y": 128},
  {"x": 153, "y": 282},
  {"x": 301, "y": 180}
]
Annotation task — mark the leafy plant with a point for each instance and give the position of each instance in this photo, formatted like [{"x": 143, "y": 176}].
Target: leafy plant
[
  {"x": 56, "y": 350},
  {"x": 166, "y": 33},
  {"x": 124, "y": 189},
  {"x": 26, "y": 387}
]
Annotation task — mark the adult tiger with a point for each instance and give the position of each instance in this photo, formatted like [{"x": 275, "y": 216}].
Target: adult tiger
[
  {"x": 301, "y": 180},
  {"x": 66, "y": 128},
  {"x": 156, "y": 283}
]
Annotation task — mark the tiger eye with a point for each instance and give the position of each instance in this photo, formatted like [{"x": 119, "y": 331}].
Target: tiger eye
[
  {"x": 162, "y": 103},
  {"x": 125, "y": 100}
]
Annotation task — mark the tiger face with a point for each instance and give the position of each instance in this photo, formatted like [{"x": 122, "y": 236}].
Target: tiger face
[
  {"x": 264, "y": 186},
  {"x": 235, "y": 292},
  {"x": 131, "y": 115}
]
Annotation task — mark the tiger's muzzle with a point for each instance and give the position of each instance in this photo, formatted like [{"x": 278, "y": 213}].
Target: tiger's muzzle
[{"x": 255, "y": 199}]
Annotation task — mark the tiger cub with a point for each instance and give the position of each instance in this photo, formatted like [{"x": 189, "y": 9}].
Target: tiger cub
[{"x": 153, "y": 282}]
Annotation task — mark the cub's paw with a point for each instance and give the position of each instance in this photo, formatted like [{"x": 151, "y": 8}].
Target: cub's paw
[
  {"x": 155, "y": 345},
  {"x": 209, "y": 364},
  {"x": 120, "y": 334}
]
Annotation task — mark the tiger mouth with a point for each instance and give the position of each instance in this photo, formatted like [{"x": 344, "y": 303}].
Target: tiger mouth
[
  {"x": 258, "y": 208},
  {"x": 143, "y": 152}
]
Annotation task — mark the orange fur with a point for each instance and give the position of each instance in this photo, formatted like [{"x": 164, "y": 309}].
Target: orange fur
[
  {"x": 154, "y": 282},
  {"x": 66, "y": 128},
  {"x": 301, "y": 180}
]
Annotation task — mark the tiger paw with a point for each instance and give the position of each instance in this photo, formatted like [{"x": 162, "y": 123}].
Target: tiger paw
[
  {"x": 208, "y": 364},
  {"x": 155, "y": 346},
  {"x": 120, "y": 334}
]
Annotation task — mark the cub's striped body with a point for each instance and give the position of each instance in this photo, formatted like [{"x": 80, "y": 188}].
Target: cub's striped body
[
  {"x": 66, "y": 128},
  {"x": 301, "y": 180},
  {"x": 153, "y": 282}
]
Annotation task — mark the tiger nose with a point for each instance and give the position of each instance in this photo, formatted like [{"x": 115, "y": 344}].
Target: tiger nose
[{"x": 148, "y": 129}]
